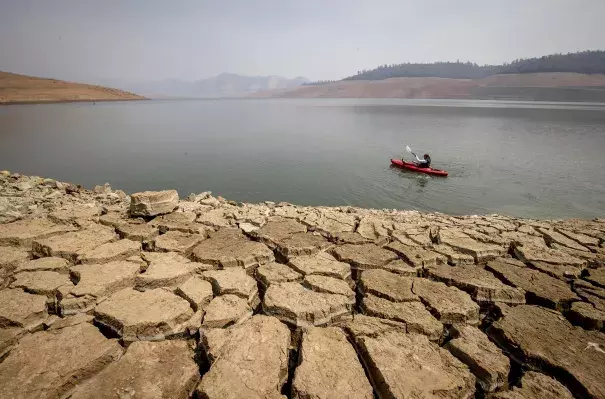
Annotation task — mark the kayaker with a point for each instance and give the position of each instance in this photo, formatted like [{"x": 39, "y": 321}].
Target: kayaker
[{"x": 423, "y": 163}]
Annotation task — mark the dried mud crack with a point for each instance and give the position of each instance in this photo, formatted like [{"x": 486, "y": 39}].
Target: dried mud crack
[{"x": 104, "y": 294}]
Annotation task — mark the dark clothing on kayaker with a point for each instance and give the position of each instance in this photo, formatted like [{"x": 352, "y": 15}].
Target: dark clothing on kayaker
[{"x": 423, "y": 163}]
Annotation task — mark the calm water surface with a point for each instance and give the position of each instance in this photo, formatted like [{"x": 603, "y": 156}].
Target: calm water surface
[{"x": 523, "y": 159}]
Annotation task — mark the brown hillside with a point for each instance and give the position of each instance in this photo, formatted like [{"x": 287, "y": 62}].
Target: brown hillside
[
  {"x": 16, "y": 88},
  {"x": 438, "y": 87}
]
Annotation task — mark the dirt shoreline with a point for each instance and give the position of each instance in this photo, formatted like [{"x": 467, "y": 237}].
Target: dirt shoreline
[{"x": 37, "y": 102}]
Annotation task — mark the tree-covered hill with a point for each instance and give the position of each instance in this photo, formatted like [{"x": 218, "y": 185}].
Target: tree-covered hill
[{"x": 586, "y": 62}]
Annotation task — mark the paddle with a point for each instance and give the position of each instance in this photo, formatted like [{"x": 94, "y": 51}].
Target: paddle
[{"x": 408, "y": 149}]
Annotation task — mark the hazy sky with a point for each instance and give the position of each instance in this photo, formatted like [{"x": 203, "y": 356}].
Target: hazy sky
[{"x": 318, "y": 39}]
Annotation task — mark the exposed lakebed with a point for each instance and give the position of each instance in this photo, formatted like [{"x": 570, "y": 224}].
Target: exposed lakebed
[{"x": 107, "y": 294}]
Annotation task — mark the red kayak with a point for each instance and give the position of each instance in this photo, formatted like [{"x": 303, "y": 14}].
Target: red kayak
[{"x": 410, "y": 166}]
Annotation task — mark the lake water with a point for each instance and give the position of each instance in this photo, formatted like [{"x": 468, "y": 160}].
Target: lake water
[{"x": 524, "y": 159}]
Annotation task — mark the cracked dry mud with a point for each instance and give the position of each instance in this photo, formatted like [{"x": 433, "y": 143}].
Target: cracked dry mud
[{"x": 149, "y": 296}]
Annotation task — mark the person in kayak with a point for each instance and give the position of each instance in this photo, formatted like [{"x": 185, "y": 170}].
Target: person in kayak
[{"x": 423, "y": 163}]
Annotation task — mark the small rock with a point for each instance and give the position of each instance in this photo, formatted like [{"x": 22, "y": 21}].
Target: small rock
[
  {"x": 71, "y": 245},
  {"x": 453, "y": 257},
  {"x": 368, "y": 326},
  {"x": 276, "y": 273},
  {"x": 75, "y": 213},
  {"x": 23, "y": 232},
  {"x": 299, "y": 244},
  {"x": 11, "y": 258},
  {"x": 417, "y": 256},
  {"x": 248, "y": 227},
  {"x": 9, "y": 336},
  {"x": 70, "y": 321},
  {"x": 562, "y": 272},
  {"x": 536, "y": 335},
  {"x": 137, "y": 231},
  {"x": 483, "y": 357},
  {"x": 152, "y": 203},
  {"x": 233, "y": 281},
  {"x": 552, "y": 236},
  {"x": 53, "y": 195},
  {"x": 329, "y": 368},
  {"x": 465, "y": 244},
  {"x": 204, "y": 195},
  {"x": 596, "y": 277},
  {"x": 298, "y": 306},
  {"x": 20, "y": 309},
  {"x": 214, "y": 202},
  {"x": 596, "y": 299},
  {"x": 113, "y": 219},
  {"x": 352, "y": 238},
  {"x": 167, "y": 271},
  {"x": 322, "y": 264},
  {"x": 530, "y": 253},
  {"x": 95, "y": 282},
  {"x": 230, "y": 248},
  {"x": 328, "y": 285},
  {"x": 145, "y": 316},
  {"x": 592, "y": 260},
  {"x": 449, "y": 303},
  {"x": 176, "y": 241},
  {"x": 366, "y": 256},
  {"x": 329, "y": 222},
  {"x": 400, "y": 267},
  {"x": 582, "y": 239},
  {"x": 408, "y": 366},
  {"x": 148, "y": 369},
  {"x": 196, "y": 291},
  {"x": 104, "y": 189},
  {"x": 111, "y": 251},
  {"x": 387, "y": 285},
  {"x": 540, "y": 288},
  {"x": 374, "y": 228},
  {"x": 277, "y": 230},
  {"x": 214, "y": 218},
  {"x": 72, "y": 188},
  {"x": 41, "y": 282},
  {"x": 413, "y": 314},
  {"x": 226, "y": 310},
  {"x": 585, "y": 315},
  {"x": 253, "y": 362},
  {"x": 536, "y": 386},
  {"x": 73, "y": 354},
  {"x": 180, "y": 221},
  {"x": 23, "y": 186},
  {"x": 482, "y": 286},
  {"x": 212, "y": 340},
  {"x": 50, "y": 264}
]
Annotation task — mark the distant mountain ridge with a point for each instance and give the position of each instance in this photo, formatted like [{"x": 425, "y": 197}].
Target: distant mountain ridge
[{"x": 223, "y": 85}]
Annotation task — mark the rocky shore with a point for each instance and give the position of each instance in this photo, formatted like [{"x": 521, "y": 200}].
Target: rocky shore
[{"x": 109, "y": 295}]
